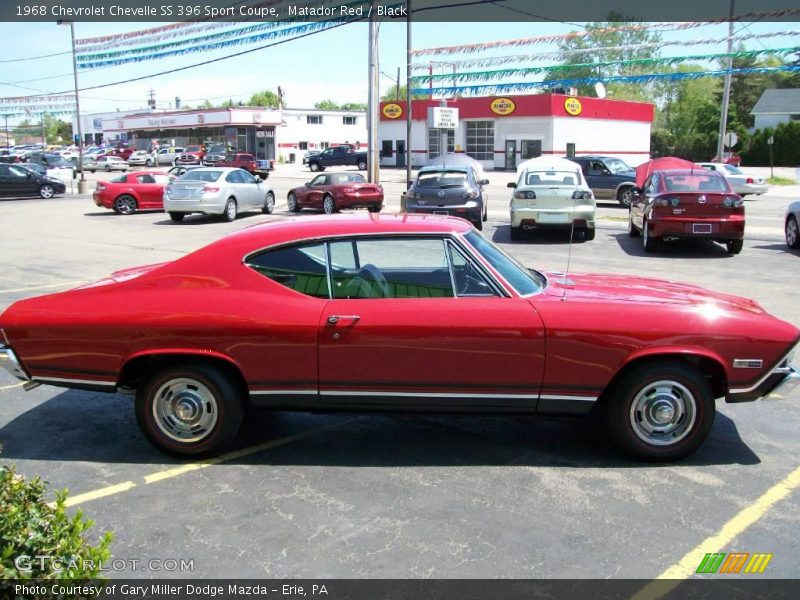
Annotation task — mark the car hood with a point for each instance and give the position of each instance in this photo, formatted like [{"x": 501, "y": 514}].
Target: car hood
[{"x": 645, "y": 290}]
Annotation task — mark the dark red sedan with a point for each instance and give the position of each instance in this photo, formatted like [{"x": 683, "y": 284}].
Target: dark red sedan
[
  {"x": 142, "y": 190},
  {"x": 406, "y": 313},
  {"x": 333, "y": 191},
  {"x": 675, "y": 204}
]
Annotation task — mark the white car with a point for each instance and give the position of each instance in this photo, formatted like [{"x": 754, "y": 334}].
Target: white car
[
  {"x": 743, "y": 184},
  {"x": 138, "y": 158},
  {"x": 551, "y": 192},
  {"x": 106, "y": 163},
  {"x": 217, "y": 191}
]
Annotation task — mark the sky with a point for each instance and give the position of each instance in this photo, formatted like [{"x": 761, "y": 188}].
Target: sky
[{"x": 327, "y": 65}]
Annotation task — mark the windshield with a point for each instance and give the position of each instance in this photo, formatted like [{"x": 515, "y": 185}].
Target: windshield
[
  {"x": 198, "y": 175},
  {"x": 192, "y": 149},
  {"x": 217, "y": 149},
  {"x": 733, "y": 170},
  {"x": 442, "y": 179},
  {"x": 550, "y": 178},
  {"x": 525, "y": 281},
  {"x": 617, "y": 166}
]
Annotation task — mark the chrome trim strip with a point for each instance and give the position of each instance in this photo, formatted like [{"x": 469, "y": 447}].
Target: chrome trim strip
[
  {"x": 583, "y": 398},
  {"x": 778, "y": 370},
  {"x": 4, "y": 337},
  {"x": 425, "y": 394},
  {"x": 82, "y": 381},
  {"x": 10, "y": 362},
  {"x": 748, "y": 363},
  {"x": 284, "y": 392}
]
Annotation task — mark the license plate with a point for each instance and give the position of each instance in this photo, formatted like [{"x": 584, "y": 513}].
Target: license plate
[
  {"x": 441, "y": 212},
  {"x": 553, "y": 218},
  {"x": 701, "y": 228}
]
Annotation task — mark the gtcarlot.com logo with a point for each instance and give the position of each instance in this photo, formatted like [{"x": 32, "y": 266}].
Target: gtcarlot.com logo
[
  {"x": 734, "y": 562},
  {"x": 57, "y": 564}
]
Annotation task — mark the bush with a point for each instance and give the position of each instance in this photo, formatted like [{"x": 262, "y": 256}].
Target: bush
[
  {"x": 31, "y": 527},
  {"x": 785, "y": 150}
]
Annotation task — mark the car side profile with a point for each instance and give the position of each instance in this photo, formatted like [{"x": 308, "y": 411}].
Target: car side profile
[
  {"x": 129, "y": 192},
  {"x": 404, "y": 313},
  {"x": 742, "y": 183},
  {"x": 224, "y": 191},
  {"x": 16, "y": 180},
  {"x": 332, "y": 192},
  {"x": 608, "y": 177}
]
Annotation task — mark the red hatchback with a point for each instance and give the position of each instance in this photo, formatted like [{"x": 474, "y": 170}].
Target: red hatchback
[
  {"x": 687, "y": 203},
  {"x": 130, "y": 192},
  {"x": 334, "y": 191}
]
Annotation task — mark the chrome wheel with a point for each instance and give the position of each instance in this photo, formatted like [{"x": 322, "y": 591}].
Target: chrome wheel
[
  {"x": 47, "y": 191},
  {"x": 291, "y": 202},
  {"x": 625, "y": 197},
  {"x": 328, "y": 205},
  {"x": 230, "y": 210},
  {"x": 185, "y": 410},
  {"x": 125, "y": 205},
  {"x": 269, "y": 203},
  {"x": 663, "y": 413}
]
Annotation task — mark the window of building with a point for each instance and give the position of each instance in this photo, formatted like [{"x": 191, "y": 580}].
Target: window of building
[
  {"x": 324, "y": 145},
  {"x": 303, "y": 145},
  {"x": 349, "y": 120},
  {"x": 570, "y": 150},
  {"x": 531, "y": 148},
  {"x": 480, "y": 140},
  {"x": 314, "y": 119},
  {"x": 434, "y": 141},
  {"x": 300, "y": 268}
]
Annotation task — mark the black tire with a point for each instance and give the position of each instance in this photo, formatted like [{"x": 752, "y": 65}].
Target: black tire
[
  {"x": 125, "y": 205},
  {"x": 46, "y": 191},
  {"x": 672, "y": 387},
  {"x": 314, "y": 166},
  {"x": 632, "y": 231},
  {"x": 291, "y": 202},
  {"x": 328, "y": 204},
  {"x": 362, "y": 165},
  {"x": 108, "y": 168},
  {"x": 516, "y": 233},
  {"x": 792, "y": 231},
  {"x": 176, "y": 216},
  {"x": 375, "y": 209},
  {"x": 478, "y": 224},
  {"x": 217, "y": 405},
  {"x": 649, "y": 243},
  {"x": 588, "y": 233},
  {"x": 269, "y": 204},
  {"x": 229, "y": 212},
  {"x": 624, "y": 196},
  {"x": 485, "y": 214},
  {"x": 148, "y": 162},
  {"x": 734, "y": 246}
]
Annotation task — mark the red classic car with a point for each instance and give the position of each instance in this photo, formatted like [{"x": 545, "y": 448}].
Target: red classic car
[
  {"x": 687, "y": 203},
  {"x": 128, "y": 193},
  {"x": 334, "y": 191},
  {"x": 404, "y": 313}
]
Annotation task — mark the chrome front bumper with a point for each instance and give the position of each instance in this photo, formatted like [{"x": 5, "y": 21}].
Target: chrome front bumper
[
  {"x": 9, "y": 361},
  {"x": 787, "y": 386}
]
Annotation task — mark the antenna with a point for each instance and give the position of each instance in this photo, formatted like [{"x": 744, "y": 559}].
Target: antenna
[{"x": 569, "y": 250}]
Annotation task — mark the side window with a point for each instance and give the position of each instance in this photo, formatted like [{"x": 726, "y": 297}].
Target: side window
[
  {"x": 319, "y": 180},
  {"x": 390, "y": 268},
  {"x": 146, "y": 179},
  {"x": 469, "y": 281},
  {"x": 246, "y": 177},
  {"x": 233, "y": 177},
  {"x": 650, "y": 185},
  {"x": 299, "y": 268}
]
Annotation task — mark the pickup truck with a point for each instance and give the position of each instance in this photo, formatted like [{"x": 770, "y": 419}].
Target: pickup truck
[
  {"x": 336, "y": 157},
  {"x": 247, "y": 162}
]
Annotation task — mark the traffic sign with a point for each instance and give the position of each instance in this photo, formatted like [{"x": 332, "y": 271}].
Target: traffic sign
[{"x": 730, "y": 139}]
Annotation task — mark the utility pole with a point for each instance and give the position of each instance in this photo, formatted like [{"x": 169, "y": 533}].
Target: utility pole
[
  {"x": 373, "y": 157},
  {"x": 83, "y": 185},
  {"x": 7, "y": 144},
  {"x": 726, "y": 93},
  {"x": 408, "y": 92},
  {"x": 44, "y": 141},
  {"x": 397, "y": 87}
]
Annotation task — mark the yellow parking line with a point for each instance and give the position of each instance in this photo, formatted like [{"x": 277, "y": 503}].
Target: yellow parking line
[
  {"x": 188, "y": 468},
  {"x": 43, "y": 287},
  {"x": 12, "y": 386},
  {"x": 687, "y": 566}
]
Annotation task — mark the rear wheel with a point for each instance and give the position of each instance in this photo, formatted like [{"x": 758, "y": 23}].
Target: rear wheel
[
  {"x": 362, "y": 165},
  {"x": 588, "y": 233},
  {"x": 313, "y": 166},
  {"x": 125, "y": 205},
  {"x": 291, "y": 202},
  {"x": 189, "y": 410},
  {"x": 624, "y": 196},
  {"x": 792, "y": 233},
  {"x": 648, "y": 242},
  {"x": 328, "y": 204},
  {"x": 375, "y": 209},
  {"x": 632, "y": 231},
  {"x": 660, "y": 411},
  {"x": 269, "y": 204},
  {"x": 734, "y": 246},
  {"x": 229, "y": 214},
  {"x": 176, "y": 216}
]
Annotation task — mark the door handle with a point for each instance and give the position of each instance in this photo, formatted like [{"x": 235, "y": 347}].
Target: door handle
[{"x": 333, "y": 319}]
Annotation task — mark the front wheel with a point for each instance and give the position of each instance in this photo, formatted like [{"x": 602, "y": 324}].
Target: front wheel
[
  {"x": 792, "y": 233},
  {"x": 660, "y": 411},
  {"x": 176, "y": 216},
  {"x": 624, "y": 196},
  {"x": 313, "y": 166},
  {"x": 229, "y": 214},
  {"x": 362, "y": 165},
  {"x": 189, "y": 410},
  {"x": 328, "y": 205},
  {"x": 632, "y": 231},
  {"x": 269, "y": 204},
  {"x": 734, "y": 246},
  {"x": 125, "y": 205},
  {"x": 47, "y": 191},
  {"x": 148, "y": 163},
  {"x": 291, "y": 202}
]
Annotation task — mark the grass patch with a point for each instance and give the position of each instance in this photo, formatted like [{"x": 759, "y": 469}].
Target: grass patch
[{"x": 781, "y": 181}]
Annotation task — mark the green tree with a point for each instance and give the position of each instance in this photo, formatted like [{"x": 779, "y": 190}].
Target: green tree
[
  {"x": 267, "y": 98},
  {"x": 354, "y": 106},
  {"x": 327, "y": 105},
  {"x": 391, "y": 94}
]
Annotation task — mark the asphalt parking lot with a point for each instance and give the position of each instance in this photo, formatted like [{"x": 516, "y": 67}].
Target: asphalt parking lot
[{"x": 339, "y": 496}]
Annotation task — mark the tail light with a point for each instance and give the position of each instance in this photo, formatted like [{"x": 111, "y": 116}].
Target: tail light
[
  {"x": 732, "y": 202},
  {"x": 100, "y": 186},
  {"x": 529, "y": 195},
  {"x": 750, "y": 180},
  {"x": 668, "y": 201},
  {"x": 578, "y": 195},
  {"x": 210, "y": 189},
  {"x": 349, "y": 190},
  {"x": 471, "y": 194}
]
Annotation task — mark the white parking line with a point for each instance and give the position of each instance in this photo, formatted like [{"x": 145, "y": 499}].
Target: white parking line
[{"x": 43, "y": 287}]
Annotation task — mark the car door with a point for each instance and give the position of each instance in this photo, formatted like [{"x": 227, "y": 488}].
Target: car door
[
  {"x": 316, "y": 191},
  {"x": 255, "y": 193},
  {"x": 397, "y": 332},
  {"x": 599, "y": 179},
  {"x": 10, "y": 183},
  {"x": 22, "y": 181}
]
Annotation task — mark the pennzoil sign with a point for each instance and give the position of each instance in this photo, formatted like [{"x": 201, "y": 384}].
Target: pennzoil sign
[
  {"x": 573, "y": 106},
  {"x": 503, "y": 106},
  {"x": 392, "y": 111}
]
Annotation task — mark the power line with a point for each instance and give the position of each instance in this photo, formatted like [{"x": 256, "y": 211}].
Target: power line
[{"x": 11, "y": 60}]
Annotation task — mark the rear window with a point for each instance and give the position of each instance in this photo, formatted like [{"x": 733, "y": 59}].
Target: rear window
[
  {"x": 551, "y": 178},
  {"x": 708, "y": 181},
  {"x": 442, "y": 179},
  {"x": 120, "y": 179},
  {"x": 198, "y": 175}
]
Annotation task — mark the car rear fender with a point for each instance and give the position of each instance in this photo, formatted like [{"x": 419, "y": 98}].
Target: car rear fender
[
  {"x": 139, "y": 365},
  {"x": 710, "y": 364}
]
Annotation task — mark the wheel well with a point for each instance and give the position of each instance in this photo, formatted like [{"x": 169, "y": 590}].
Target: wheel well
[
  {"x": 137, "y": 369},
  {"x": 127, "y": 194},
  {"x": 712, "y": 370}
]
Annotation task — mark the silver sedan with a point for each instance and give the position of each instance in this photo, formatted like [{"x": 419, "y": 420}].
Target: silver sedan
[{"x": 217, "y": 191}]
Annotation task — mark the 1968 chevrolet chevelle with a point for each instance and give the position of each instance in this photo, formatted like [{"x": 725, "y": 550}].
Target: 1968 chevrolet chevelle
[{"x": 397, "y": 313}]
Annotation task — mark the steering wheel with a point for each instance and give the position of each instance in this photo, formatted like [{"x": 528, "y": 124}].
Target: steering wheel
[
  {"x": 380, "y": 286},
  {"x": 469, "y": 285}
]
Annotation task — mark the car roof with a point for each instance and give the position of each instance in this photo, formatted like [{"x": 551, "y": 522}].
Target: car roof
[
  {"x": 700, "y": 171},
  {"x": 546, "y": 163},
  {"x": 439, "y": 168}
]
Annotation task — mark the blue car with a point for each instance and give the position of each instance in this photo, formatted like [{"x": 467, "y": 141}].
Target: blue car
[{"x": 608, "y": 177}]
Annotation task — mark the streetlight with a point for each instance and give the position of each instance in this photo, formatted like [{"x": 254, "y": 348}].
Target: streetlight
[{"x": 83, "y": 186}]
